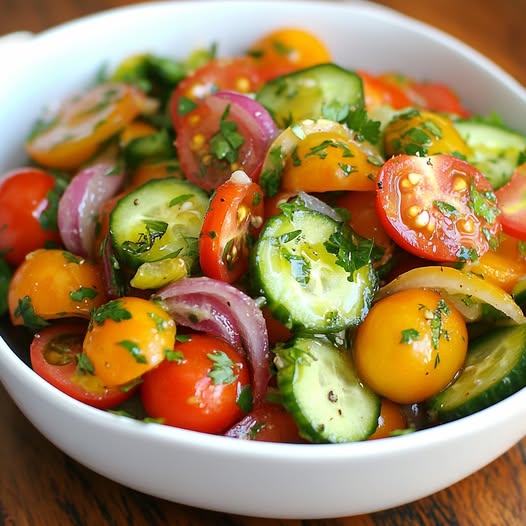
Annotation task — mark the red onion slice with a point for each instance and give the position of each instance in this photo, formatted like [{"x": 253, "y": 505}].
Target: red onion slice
[
  {"x": 81, "y": 202},
  {"x": 269, "y": 129},
  {"x": 236, "y": 311}
]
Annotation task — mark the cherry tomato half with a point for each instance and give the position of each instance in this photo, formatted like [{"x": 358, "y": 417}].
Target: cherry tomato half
[
  {"x": 417, "y": 353},
  {"x": 55, "y": 355},
  {"x": 231, "y": 224},
  {"x": 439, "y": 207},
  {"x": 28, "y": 213},
  {"x": 83, "y": 123},
  {"x": 217, "y": 138},
  {"x": 198, "y": 387},
  {"x": 512, "y": 200}
]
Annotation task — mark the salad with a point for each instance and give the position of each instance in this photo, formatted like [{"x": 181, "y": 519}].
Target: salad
[{"x": 270, "y": 246}]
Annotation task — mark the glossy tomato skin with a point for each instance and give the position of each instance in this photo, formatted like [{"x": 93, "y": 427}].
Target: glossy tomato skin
[
  {"x": 231, "y": 225},
  {"x": 286, "y": 50},
  {"x": 28, "y": 213},
  {"x": 378, "y": 92},
  {"x": 199, "y": 387},
  {"x": 414, "y": 354},
  {"x": 268, "y": 422},
  {"x": 390, "y": 421},
  {"x": 54, "y": 356},
  {"x": 240, "y": 74},
  {"x": 440, "y": 207},
  {"x": 54, "y": 284},
  {"x": 512, "y": 200},
  {"x": 128, "y": 337},
  {"x": 216, "y": 139}
]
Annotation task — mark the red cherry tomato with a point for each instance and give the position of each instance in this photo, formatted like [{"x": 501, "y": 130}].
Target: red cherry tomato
[
  {"x": 200, "y": 386},
  {"x": 267, "y": 423},
  {"x": 439, "y": 207},
  {"x": 440, "y": 98},
  {"x": 379, "y": 93},
  {"x": 28, "y": 213},
  {"x": 512, "y": 200},
  {"x": 218, "y": 138},
  {"x": 55, "y": 353},
  {"x": 239, "y": 74},
  {"x": 231, "y": 224}
]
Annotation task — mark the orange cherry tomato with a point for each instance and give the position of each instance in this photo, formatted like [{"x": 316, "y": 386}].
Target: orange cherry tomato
[
  {"x": 54, "y": 357},
  {"x": 319, "y": 156},
  {"x": 154, "y": 170},
  {"x": 326, "y": 161},
  {"x": 53, "y": 284},
  {"x": 288, "y": 49},
  {"x": 83, "y": 124},
  {"x": 231, "y": 224},
  {"x": 28, "y": 213},
  {"x": 364, "y": 219},
  {"x": 379, "y": 93},
  {"x": 199, "y": 387},
  {"x": 126, "y": 338},
  {"x": 391, "y": 419},
  {"x": 503, "y": 266},
  {"x": 416, "y": 352}
]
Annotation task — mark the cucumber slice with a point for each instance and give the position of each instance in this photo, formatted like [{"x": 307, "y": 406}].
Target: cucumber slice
[
  {"x": 519, "y": 292},
  {"x": 160, "y": 219},
  {"x": 303, "y": 94},
  {"x": 304, "y": 281},
  {"x": 496, "y": 150},
  {"x": 320, "y": 388},
  {"x": 495, "y": 368}
]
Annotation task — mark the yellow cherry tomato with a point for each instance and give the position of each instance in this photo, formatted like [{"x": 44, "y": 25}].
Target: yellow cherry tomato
[
  {"x": 52, "y": 284},
  {"x": 127, "y": 337},
  {"x": 390, "y": 421},
  {"x": 421, "y": 132},
  {"x": 410, "y": 345},
  {"x": 288, "y": 49},
  {"x": 82, "y": 124},
  {"x": 319, "y": 156},
  {"x": 503, "y": 267}
]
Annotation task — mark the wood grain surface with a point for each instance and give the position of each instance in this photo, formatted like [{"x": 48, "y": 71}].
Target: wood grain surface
[{"x": 40, "y": 486}]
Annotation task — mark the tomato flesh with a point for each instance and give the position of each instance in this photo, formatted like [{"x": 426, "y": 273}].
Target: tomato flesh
[
  {"x": 216, "y": 139},
  {"x": 54, "y": 353},
  {"x": 512, "y": 200},
  {"x": 440, "y": 207},
  {"x": 231, "y": 223}
]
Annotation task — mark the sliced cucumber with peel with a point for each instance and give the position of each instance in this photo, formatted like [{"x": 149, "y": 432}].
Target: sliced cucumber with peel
[
  {"x": 304, "y": 282},
  {"x": 158, "y": 220},
  {"x": 496, "y": 150},
  {"x": 495, "y": 368},
  {"x": 320, "y": 388}
]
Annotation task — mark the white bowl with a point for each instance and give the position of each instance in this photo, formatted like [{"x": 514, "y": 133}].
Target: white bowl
[{"x": 213, "y": 472}]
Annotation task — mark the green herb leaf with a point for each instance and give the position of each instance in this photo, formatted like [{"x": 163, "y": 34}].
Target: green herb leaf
[
  {"x": 223, "y": 369},
  {"x": 134, "y": 350}
]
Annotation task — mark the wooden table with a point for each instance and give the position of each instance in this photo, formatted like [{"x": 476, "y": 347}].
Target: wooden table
[{"x": 39, "y": 485}]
